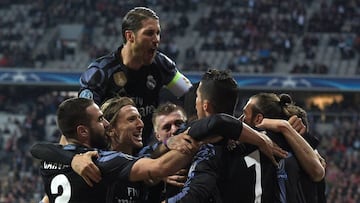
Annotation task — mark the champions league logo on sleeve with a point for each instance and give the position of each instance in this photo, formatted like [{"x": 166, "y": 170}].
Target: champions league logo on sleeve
[
  {"x": 150, "y": 83},
  {"x": 86, "y": 93}
]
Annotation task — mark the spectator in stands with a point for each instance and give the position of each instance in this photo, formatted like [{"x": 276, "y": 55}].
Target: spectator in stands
[
  {"x": 172, "y": 50},
  {"x": 5, "y": 60},
  {"x": 287, "y": 47},
  {"x": 320, "y": 69}
]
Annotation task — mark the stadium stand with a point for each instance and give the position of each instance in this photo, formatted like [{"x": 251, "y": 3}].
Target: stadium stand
[
  {"x": 268, "y": 36},
  {"x": 307, "y": 37},
  {"x": 24, "y": 119}
]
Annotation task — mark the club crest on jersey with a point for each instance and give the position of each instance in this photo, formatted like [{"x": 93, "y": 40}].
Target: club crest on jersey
[
  {"x": 120, "y": 79},
  {"x": 150, "y": 83}
]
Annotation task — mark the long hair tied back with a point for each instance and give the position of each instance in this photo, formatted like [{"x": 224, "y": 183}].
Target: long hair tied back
[{"x": 285, "y": 100}]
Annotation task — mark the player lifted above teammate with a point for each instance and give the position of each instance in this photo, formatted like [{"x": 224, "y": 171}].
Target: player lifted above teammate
[{"x": 136, "y": 69}]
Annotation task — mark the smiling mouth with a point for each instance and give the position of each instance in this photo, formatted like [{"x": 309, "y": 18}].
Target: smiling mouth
[{"x": 138, "y": 136}]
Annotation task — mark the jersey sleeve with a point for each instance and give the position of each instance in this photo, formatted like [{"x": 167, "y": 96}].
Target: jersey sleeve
[
  {"x": 312, "y": 140},
  {"x": 93, "y": 84},
  {"x": 201, "y": 185},
  {"x": 115, "y": 165},
  {"x": 52, "y": 153},
  {"x": 148, "y": 150},
  {"x": 219, "y": 124},
  {"x": 175, "y": 81},
  {"x": 179, "y": 84}
]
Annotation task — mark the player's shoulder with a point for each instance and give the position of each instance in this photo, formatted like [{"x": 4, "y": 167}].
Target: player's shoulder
[
  {"x": 206, "y": 151},
  {"x": 76, "y": 148},
  {"x": 163, "y": 61},
  {"x": 106, "y": 62},
  {"x": 111, "y": 155},
  {"x": 102, "y": 68}
]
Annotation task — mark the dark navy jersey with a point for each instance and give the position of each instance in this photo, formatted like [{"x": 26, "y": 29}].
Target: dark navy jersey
[
  {"x": 288, "y": 173},
  {"x": 313, "y": 192},
  {"x": 108, "y": 77},
  {"x": 126, "y": 191},
  {"x": 211, "y": 125},
  {"x": 202, "y": 182},
  {"x": 62, "y": 183},
  {"x": 298, "y": 184},
  {"x": 310, "y": 191},
  {"x": 251, "y": 177},
  {"x": 248, "y": 176},
  {"x": 115, "y": 168}
]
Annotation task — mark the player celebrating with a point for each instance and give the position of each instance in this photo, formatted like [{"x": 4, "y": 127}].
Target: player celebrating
[{"x": 136, "y": 69}]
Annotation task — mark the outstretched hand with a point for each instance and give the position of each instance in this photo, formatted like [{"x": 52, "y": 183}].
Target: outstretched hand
[{"x": 83, "y": 165}]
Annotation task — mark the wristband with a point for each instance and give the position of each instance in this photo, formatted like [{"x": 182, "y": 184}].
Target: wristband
[{"x": 165, "y": 143}]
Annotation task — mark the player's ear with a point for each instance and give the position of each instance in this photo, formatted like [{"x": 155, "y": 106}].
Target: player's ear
[
  {"x": 111, "y": 132},
  {"x": 258, "y": 118},
  {"x": 130, "y": 36},
  {"x": 207, "y": 107},
  {"x": 82, "y": 131},
  {"x": 157, "y": 136}
]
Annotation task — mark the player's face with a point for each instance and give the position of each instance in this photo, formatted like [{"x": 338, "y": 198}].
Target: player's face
[
  {"x": 128, "y": 129},
  {"x": 146, "y": 41},
  {"x": 199, "y": 104},
  {"x": 167, "y": 125},
  {"x": 97, "y": 127},
  {"x": 247, "y": 115}
]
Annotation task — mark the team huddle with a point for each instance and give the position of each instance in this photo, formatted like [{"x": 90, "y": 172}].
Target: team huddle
[{"x": 120, "y": 144}]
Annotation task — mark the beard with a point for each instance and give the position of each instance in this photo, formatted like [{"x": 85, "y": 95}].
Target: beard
[
  {"x": 98, "y": 139},
  {"x": 145, "y": 54}
]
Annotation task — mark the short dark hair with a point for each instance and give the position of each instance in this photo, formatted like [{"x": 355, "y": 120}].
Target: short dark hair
[
  {"x": 111, "y": 107},
  {"x": 133, "y": 19},
  {"x": 220, "y": 88},
  {"x": 190, "y": 102},
  {"x": 72, "y": 113}
]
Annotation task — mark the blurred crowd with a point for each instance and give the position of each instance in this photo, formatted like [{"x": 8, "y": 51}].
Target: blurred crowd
[
  {"x": 18, "y": 48},
  {"x": 20, "y": 181},
  {"x": 23, "y": 123},
  {"x": 258, "y": 33}
]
